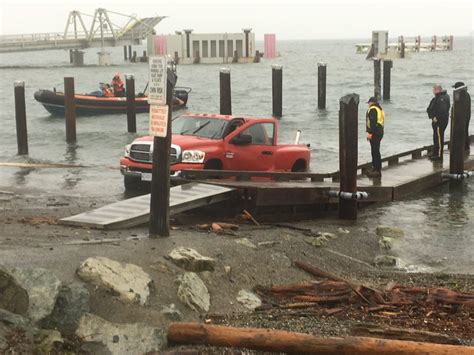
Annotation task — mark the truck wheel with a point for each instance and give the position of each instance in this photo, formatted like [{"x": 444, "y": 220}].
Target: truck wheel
[
  {"x": 299, "y": 166},
  {"x": 213, "y": 164},
  {"x": 131, "y": 183}
]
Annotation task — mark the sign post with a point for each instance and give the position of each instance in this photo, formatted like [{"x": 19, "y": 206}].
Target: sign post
[{"x": 162, "y": 81}]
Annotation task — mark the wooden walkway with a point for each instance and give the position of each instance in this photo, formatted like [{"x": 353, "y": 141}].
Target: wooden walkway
[{"x": 135, "y": 211}]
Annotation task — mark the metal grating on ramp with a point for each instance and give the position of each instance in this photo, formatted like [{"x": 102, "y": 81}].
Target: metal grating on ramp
[{"x": 136, "y": 210}]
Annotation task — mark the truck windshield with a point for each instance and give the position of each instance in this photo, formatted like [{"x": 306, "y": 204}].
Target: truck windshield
[{"x": 207, "y": 127}]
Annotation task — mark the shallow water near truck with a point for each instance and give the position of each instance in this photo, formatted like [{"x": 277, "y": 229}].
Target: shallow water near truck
[{"x": 438, "y": 224}]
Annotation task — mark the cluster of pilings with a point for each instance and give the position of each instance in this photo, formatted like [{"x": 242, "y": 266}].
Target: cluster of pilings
[
  {"x": 69, "y": 112},
  {"x": 277, "y": 89},
  {"x": 131, "y": 56}
]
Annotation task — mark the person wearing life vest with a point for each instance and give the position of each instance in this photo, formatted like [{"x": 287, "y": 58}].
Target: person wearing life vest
[
  {"x": 117, "y": 85},
  {"x": 374, "y": 127},
  {"x": 438, "y": 113}
]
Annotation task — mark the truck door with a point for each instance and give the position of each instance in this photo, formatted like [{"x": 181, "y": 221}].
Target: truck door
[{"x": 251, "y": 149}]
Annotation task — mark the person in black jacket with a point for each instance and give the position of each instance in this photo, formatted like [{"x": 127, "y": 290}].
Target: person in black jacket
[
  {"x": 374, "y": 126},
  {"x": 467, "y": 143},
  {"x": 438, "y": 112}
]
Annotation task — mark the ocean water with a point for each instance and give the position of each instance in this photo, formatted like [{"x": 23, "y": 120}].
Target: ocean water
[{"x": 440, "y": 217}]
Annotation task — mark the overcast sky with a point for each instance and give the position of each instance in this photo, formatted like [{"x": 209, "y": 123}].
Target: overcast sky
[{"x": 289, "y": 19}]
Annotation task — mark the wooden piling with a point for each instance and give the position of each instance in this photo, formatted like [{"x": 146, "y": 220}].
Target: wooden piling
[
  {"x": 322, "y": 85},
  {"x": 160, "y": 185},
  {"x": 197, "y": 58},
  {"x": 235, "y": 57},
  {"x": 176, "y": 57},
  {"x": 402, "y": 49},
  {"x": 130, "y": 53},
  {"x": 458, "y": 131},
  {"x": 387, "y": 68},
  {"x": 225, "y": 92},
  {"x": 131, "y": 106},
  {"x": 348, "y": 117},
  {"x": 377, "y": 79},
  {"x": 134, "y": 58},
  {"x": 125, "y": 53},
  {"x": 70, "y": 109},
  {"x": 277, "y": 90},
  {"x": 256, "y": 59},
  {"x": 434, "y": 43},
  {"x": 71, "y": 56},
  {"x": 20, "y": 117}
]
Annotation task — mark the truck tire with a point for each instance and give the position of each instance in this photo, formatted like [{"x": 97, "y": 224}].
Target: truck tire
[
  {"x": 299, "y": 166},
  {"x": 213, "y": 164},
  {"x": 132, "y": 183}
]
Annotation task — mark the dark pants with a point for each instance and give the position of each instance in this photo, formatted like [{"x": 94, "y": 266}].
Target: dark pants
[
  {"x": 375, "y": 150},
  {"x": 438, "y": 138}
]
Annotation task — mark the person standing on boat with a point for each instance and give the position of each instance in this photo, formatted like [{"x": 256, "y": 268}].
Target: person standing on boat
[
  {"x": 467, "y": 119},
  {"x": 438, "y": 112},
  {"x": 374, "y": 126},
  {"x": 117, "y": 85}
]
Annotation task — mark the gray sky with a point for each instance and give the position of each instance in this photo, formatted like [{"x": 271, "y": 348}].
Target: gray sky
[{"x": 289, "y": 19}]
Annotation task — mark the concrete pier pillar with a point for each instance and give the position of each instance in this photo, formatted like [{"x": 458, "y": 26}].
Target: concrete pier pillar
[{"x": 104, "y": 58}]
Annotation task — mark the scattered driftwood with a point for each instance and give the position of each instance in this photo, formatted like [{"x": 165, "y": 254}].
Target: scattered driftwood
[
  {"x": 377, "y": 331},
  {"x": 298, "y": 343},
  {"x": 394, "y": 303},
  {"x": 246, "y": 215}
]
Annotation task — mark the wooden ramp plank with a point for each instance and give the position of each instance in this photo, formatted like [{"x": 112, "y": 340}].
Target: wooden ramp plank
[{"x": 136, "y": 210}]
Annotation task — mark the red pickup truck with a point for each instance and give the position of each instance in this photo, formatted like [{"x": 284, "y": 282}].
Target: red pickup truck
[{"x": 203, "y": 141}]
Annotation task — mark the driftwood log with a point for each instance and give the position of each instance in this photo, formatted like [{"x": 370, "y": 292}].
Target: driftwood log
[
  {"x": 289, "y": 342},
  {"x": 381, "y": 331}
]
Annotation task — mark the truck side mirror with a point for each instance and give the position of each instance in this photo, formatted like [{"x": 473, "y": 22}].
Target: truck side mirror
[{"x": 241, "y": 139}]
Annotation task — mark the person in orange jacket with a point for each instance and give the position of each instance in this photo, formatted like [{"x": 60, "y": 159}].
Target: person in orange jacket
[
  {"x": 117, "y": 85},
  {"x": 374, "y": 126}
]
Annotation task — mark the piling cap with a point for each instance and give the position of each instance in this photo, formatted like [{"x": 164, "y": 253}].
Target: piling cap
[
  {"x": 458, "y": 84},
  {"x": 277, "y": 66},
  {"x": 225, "y": 70}
]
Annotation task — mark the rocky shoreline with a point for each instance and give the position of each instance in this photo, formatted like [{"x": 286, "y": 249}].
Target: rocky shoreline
[{"x": 66, "y": 289}]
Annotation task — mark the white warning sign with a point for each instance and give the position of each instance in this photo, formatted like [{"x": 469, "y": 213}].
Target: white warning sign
[{"x": 157, "y": 80}]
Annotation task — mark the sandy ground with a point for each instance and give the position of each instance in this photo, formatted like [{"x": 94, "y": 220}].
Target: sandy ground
[{"x": 30, "y": 237}]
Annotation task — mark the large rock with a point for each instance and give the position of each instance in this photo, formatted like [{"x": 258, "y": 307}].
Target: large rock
[
  {"x": 13, "y": 319},
  {"x": 193, "y": 292},
  {"x": 42, "y": 288},
  {"x": 249, "y": 299},
  {"x": 129, "y": 281},
  {"x": 102, "y": 337},
  {"x": 390, "y": 232},
  {"x": 13, "y": 297},
  {"x": 190, "y": 260},
  {"x": 71, "y": 304}
]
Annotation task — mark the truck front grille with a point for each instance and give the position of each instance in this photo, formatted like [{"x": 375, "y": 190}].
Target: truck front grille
[{"x": 141, "y": 153}]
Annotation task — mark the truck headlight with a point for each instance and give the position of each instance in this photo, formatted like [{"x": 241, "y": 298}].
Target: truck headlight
[
  {"x": 193, "y": 156},
  {"x": 127, "y": 150}
]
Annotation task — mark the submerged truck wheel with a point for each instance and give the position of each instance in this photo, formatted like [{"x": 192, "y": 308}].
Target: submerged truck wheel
[{"x": 132, "y": 183}]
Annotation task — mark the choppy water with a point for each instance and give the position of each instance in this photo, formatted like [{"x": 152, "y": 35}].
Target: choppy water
[{"x": 440, "y": 223}]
